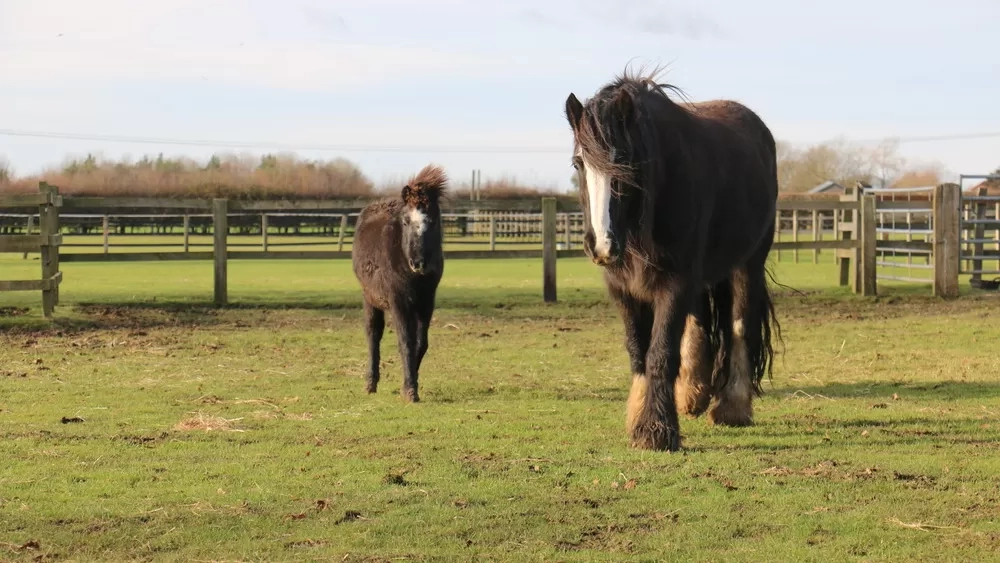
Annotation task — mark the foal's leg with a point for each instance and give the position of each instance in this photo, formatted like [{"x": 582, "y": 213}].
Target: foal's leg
[
  {"x": 374, "y": 327},
  {"x": 655, "y": 424},
  {"x": 406, "y": 329},
  {"x": 423, "y": 327},
  {"x": 733, "y": 405},
  {"x": 694, "y": 384}
]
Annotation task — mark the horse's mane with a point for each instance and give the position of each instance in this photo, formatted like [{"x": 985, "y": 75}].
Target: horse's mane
[
  {"x": 425, "y": 186},
  {"x": 635, "y": 110},
  {"x": 629, "y": 96}
]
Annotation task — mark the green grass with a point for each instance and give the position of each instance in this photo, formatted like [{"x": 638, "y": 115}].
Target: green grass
[{"x": 244, "y": 433}]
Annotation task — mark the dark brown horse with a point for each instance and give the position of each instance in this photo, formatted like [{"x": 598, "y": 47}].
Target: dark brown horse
[
  {"x": 398, "y": 259},
  {"x": 680, "y": 202}
]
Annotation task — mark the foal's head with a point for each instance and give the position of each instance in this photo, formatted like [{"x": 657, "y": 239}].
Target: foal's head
[{"x": 421, "y": 218}]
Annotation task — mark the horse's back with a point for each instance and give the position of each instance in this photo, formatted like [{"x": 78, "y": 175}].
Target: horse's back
[
  {"x": 749, "y": 185},
  {"x": 740, "y": 120}
]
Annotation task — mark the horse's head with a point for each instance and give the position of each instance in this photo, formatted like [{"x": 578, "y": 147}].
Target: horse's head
[
  {"x": 605, "y": 159},
  {"x": 420, "y": 219}
]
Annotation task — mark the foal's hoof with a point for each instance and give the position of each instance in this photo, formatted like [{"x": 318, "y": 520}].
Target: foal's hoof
[
  {"x": 371, "y": 388},
  {"x": 411, "y": 396},
  {"x": 656, "y": 437}
]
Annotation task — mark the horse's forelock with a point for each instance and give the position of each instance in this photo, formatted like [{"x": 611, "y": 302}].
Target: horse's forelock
[
  {"x": 426, "y": 187},
  {"x": 602, "y": 128}
]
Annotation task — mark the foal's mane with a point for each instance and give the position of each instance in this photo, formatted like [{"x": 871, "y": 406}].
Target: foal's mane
[{"x": 425, "y": 187}]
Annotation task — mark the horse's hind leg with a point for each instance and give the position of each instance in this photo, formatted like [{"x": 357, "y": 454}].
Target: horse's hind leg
[
  {"x": 374, "y": 328},
  {"x": 693, "y": 389},
  {"x": 734, "y": 401}
]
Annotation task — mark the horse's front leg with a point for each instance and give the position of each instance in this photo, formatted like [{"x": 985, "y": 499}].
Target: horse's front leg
[
  {"x": 637, "y": 318},
  {"x": 654, "y": 424}
]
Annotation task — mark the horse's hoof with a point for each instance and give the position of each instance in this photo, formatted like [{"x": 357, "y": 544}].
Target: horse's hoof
[
  {"x": 371, "y": 388},
  {"x": 411, "y": 396},
  {"x": 728, "y": 414},
  {"x": 660, "y": 438}
]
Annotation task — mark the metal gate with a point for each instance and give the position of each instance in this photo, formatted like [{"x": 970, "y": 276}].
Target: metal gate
[
  {"x": 904, "y": 229},
  {"x": 980, "y": 229}
]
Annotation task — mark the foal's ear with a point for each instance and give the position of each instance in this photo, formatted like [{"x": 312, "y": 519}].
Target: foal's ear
[
  {"x": 574, "y": 111},
  {"x": 406, "y": 193}
]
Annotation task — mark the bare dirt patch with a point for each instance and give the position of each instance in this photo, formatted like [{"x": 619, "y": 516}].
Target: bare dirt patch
[{"x": 207, "y": 423}]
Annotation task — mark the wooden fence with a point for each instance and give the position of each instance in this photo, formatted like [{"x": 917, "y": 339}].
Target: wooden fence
[
  {"x": 545, "y": 228},
  {"x": 46, "y": 243}
]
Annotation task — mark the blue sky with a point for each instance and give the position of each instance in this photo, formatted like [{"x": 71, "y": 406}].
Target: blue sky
[{"x": 436, "y": 74}]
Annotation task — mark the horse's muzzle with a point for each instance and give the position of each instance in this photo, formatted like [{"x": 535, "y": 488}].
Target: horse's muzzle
[
  {"x": 417, "y": 266},
  {"x": 604, "y": 254}
]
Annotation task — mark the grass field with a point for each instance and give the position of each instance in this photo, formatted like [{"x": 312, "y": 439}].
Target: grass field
[{"x": 143, "y": 424}]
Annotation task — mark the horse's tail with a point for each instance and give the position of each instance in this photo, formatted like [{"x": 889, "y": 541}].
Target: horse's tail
[
  {"x": 721, "y": 331},
  {"x": 767, "y": 330}
]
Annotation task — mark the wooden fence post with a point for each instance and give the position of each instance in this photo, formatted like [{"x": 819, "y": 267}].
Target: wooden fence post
[
  {"x": 849, "y": 228},
  {"x": 106, "y": 232},
  {"x": 549, "y": 249},
  {"x": 869, "y": 242},
  {"x": 947, "y": 239},
  {"x": 817, "y": 234},
  {"x": 220, "y": 230},
  {"x": 27, "y": 231},
  {"x": 795, "y": 235},
  {"x": 187, "y": 232},
  {"x": 341, "y": 232},
  {"x": 48, "y": 226},
  {"x": 493, "y": 232},
  {"x": 263, "y": 231}
]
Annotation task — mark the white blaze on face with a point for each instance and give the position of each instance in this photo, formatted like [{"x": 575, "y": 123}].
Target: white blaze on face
[
  {"x": 599, "y": 194},
  {"x": 419, "y": 220}
]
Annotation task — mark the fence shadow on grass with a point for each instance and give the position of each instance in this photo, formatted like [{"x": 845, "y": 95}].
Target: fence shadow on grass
[{"x": 100, "y": 314}]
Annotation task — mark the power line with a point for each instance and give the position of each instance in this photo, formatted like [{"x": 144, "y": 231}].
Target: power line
[
  {"x": 928, "y": 138},
  {"x": 395, "y": 149},
  {"x": 275, "y": 146}
]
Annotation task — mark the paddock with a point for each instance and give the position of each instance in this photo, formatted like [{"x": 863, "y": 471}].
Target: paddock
[{"x": 144, "y": 410}]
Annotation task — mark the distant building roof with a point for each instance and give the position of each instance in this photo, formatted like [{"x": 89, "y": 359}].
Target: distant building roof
[
  {"x": 825, "y": 187},
  {"x": 992, "y": 187}
]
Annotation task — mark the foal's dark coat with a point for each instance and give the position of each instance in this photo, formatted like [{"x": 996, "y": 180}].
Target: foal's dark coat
[
  {"x": 398, "y": 259},
  {"x": 692, "y": 219}
]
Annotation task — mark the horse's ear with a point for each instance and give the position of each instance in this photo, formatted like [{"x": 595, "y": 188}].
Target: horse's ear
[
  {"x": 574, "y": 111},
  {"x": 406, "y": 193},
  {"x": 623, "y": 101}
]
